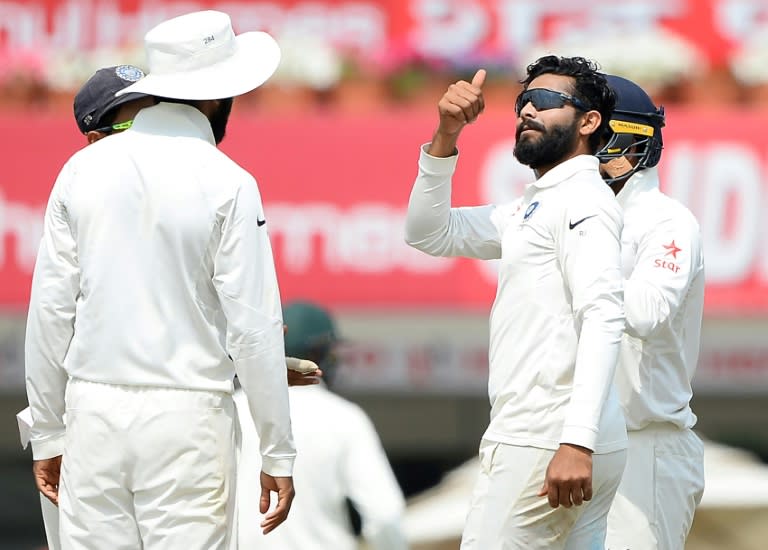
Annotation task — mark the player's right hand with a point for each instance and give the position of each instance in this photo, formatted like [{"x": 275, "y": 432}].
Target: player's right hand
[
  {"x": 461, "y": 104},
  {"x": 283, "y": 486},
  {"x": 568, "y": 480},
  {"x": 47, "y": 473}
]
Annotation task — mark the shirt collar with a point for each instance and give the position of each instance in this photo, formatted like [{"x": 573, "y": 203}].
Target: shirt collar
[
  {"x": 566, "y": 169},
  {"x": 640, "y": 182},
  {"x": 173, "y": 119}
]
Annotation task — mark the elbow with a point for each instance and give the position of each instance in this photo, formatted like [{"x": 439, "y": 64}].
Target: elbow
[
  {"x": 643, "y": 321},
  {"x": 640, "y": 326},
  {"x": 415, "y": 236},
  {"x": 645, "y": 308},
  {"x": 421, "y": 244}
]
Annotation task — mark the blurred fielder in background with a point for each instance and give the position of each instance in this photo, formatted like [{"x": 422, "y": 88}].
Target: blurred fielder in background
[
  {"x": 556, "y": 427},
  {"x": 128, "y": 250},
  {"x": 663, "y": 268},
  {"x": 340, "y": 459}
]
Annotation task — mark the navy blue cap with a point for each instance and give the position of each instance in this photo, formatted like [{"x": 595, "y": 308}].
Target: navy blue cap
[
  {"x": 97, "y": 96},
  {"x": 633, "y": 104}
]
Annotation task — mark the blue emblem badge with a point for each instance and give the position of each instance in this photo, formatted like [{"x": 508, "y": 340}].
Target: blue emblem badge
[
  {"x": 530, "y": 210},
  {"x": 129, "y": 73}
]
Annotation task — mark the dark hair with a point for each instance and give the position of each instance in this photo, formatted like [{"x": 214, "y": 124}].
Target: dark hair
[
  {"x": 190, "y": 102},
  {"x": 590, "y": 86}
]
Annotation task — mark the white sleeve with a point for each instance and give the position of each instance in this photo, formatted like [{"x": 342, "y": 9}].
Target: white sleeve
[
  {"x": 432, "y": 226},
  {"x": 51, "y": 323},
  {"x": 246, "y": 283},
  {"x": 24, "y": 420},
  {"x": 372, "y": 487},
  {"x": 667, "y": 259},
  {"x": 589, "y": 252}
]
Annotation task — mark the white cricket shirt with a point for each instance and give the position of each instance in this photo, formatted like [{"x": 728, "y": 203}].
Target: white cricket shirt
[
  {"x": 340, "y": 456},
  {"x": 663, "y": 265},
  {"x": 154, "y": 266},
  {"x": 557, "y": 319}
]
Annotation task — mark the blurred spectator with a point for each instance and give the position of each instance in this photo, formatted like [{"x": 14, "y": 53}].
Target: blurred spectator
[{"x": 340, "y": 458}]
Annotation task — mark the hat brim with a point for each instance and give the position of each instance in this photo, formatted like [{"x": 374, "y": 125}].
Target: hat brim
[{"x": 255, "y": 59}]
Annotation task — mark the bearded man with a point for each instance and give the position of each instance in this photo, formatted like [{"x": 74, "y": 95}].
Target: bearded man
[{"x": 553, "y": 454}]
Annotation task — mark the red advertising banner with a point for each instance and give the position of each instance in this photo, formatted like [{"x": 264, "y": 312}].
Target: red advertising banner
[
  {"x": 433, "y": 28},
  {"x": 336, "y": 188}
]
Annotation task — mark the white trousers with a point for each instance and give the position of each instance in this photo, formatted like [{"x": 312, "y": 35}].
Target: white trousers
[
  {"x": 146, "y": 468},
  {"x": 506, "y": 512},
  {"x": 50, "y": 522},
  {"x": 662, "y": 485}
]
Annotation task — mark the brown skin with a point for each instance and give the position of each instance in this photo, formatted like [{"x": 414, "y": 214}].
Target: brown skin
[
  {"x": 47, "y": 471},
  {"x": 588, "y": 123},
  {"x": 617, "y": 167},
  {"x": 459, "y": 106},
  {"x": 568, "y": 480},
  {"x": 463, "y": 103}
]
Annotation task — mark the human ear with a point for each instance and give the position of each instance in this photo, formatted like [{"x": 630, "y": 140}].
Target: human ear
[
  {"x": 93, "y": 136},
  {"x": 590, "y": 123}
]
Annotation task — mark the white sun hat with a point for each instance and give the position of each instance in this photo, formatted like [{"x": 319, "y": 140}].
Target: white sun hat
[{"x": 197, "y": 56}]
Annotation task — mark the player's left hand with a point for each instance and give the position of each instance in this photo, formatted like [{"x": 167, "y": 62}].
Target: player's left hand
[
  {"x": 283, "y": 486},
  {"x": 47, "y": 473},
  {"x": 304, "y": 378},
  {"x": 569, "y": 477},
  {"x": 302, "y": 372}
]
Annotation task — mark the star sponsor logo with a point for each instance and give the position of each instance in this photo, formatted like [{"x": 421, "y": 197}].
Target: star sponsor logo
[
  {"x": 664, "y": 264},
  {"x": 672, "y": 249}
]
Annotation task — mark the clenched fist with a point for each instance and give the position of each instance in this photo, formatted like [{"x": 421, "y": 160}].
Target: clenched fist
[{"x": 461, "y": 104}]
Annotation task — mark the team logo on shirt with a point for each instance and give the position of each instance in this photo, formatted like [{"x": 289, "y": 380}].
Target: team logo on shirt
[
  {"x": 671, "y": 250},
  {"x": 530, "y": 210}
]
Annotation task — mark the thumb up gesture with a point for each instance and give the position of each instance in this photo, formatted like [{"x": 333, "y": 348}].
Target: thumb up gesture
[{"x": 460, "y": 105}]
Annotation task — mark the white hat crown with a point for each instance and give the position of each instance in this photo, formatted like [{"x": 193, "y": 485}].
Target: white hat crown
[
  {"x": 190, "y": 42},
  {"x": 198, "y": 56}
]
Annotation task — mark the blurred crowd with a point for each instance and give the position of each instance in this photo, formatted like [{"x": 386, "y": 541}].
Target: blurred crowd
[{"x": 315, "y": 75}]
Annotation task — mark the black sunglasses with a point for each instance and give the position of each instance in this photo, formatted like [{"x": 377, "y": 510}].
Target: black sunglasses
[{"x": 543, "y": 99}]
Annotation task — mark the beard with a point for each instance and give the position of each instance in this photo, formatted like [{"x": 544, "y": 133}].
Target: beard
[
  {"x": 549, "y": 148},
  {"x": 219, "y": 119}
]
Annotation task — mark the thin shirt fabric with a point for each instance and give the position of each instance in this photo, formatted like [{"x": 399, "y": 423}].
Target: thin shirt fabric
[
  {"x": 153, "y": 268},
  {"x": 663, "y": 267},
  {"x": 340, "y": 456},
  {"x": 557, "y": 319}
]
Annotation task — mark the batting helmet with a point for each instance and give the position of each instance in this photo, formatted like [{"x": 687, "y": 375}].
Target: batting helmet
[{"x": 635, "y": 127}]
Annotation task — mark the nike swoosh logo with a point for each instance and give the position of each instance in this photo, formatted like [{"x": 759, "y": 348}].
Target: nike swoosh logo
[
  {"x": 571, "y": 225},
  {"x": 260, "y": 222}
]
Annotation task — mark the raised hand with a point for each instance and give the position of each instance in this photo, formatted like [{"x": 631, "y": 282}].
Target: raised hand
[{"x": 461, "y": 104}]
